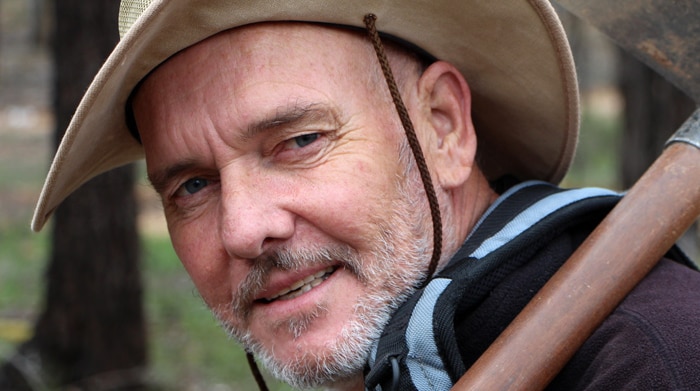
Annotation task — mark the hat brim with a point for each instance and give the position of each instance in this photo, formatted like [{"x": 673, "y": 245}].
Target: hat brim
[{"x": 514, "y": 55}]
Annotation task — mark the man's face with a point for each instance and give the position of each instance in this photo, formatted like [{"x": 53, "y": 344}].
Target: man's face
[{"x": 277, "y": 160}]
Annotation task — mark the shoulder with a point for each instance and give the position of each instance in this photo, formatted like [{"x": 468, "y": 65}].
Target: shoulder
[{"x": 649, "y": 342}]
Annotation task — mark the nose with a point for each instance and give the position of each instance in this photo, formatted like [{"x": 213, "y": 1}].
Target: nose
[{"x": 252, "y": 215}]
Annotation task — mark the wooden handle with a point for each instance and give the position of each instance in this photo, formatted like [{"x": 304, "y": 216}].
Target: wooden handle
[{"x": 597, "y": 277}]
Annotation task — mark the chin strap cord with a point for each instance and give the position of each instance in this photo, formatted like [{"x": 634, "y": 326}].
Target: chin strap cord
[
  {"x": 370, "y": 20},
  {"x": 256, "y": 372}
]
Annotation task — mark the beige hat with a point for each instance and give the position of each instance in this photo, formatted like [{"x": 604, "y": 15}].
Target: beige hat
[{"x": 513, "y": 53}]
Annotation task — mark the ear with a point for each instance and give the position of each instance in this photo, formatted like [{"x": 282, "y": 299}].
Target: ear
[{"x": 446, "y": 109}]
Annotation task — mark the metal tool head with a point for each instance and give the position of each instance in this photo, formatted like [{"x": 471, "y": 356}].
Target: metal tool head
[{"x": 664, "y": 34}]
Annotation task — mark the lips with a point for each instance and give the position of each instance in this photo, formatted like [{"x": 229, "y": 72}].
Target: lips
[{"x": 302, "y": 286}]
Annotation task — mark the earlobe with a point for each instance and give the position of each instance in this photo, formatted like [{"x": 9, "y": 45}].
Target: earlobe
[{"x": 447, "y": 105}]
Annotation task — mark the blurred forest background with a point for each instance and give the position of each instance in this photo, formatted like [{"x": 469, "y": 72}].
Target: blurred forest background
[{"x": 98, "y": 300}]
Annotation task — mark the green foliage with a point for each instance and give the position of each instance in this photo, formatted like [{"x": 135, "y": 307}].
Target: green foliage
[
  {"x": 21, "y": 280},
  {"x": 596, "y": 162},
  {"x": 20, "y": 269}
]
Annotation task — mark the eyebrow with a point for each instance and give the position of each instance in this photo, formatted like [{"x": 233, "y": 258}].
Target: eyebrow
[
  {"x": 295, "y": 115},
  {"x": 160, "y": 179}
]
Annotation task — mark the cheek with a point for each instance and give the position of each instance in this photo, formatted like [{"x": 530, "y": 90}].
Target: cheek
[
  {"x": 352, "y": 204},
  {"x": 201, "y": 253}
]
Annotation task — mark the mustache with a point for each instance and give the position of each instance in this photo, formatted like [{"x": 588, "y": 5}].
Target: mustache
[{"x": 286, "y": 259}]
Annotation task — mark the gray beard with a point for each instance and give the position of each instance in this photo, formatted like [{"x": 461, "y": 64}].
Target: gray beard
[{"x": 345, "y": 356}]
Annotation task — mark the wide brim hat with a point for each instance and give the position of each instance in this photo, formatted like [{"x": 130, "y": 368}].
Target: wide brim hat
[{"x": 513, "y": 53}]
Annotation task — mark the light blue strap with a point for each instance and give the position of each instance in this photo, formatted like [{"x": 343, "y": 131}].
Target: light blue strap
[
  {"x": 424, "y": 362},
  {"x": 534, "y": 214}
]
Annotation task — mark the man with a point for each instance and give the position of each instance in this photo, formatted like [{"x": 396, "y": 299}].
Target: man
[{"x": 292, "y": 195}]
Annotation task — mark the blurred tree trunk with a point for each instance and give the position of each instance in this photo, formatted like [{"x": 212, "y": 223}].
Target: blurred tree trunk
[
  {"x": 41, "y": 22},
  {"x": 654, "y": 110},
  {"x": 91, "y": 334}
]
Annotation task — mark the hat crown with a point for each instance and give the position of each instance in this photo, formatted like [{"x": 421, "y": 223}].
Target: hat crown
[{"x": 129, "y": 11}]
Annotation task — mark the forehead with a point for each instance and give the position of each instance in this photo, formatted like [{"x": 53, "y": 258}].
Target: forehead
[
  {"x": 285, "y": 47},
  {"x": 251, "y": 63}
]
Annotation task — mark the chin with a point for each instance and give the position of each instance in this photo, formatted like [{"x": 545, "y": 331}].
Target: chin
[{"x": 312, "y": 360}]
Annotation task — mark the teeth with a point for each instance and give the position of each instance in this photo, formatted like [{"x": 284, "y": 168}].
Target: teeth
[
  {"x": 283, "y": 292},
  {"x": 297, "y": 285},
  {"x": 302, "y": 286}
]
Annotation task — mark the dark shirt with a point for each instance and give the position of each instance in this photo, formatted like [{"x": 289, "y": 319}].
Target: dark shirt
[{"x": 650, "y": 342}]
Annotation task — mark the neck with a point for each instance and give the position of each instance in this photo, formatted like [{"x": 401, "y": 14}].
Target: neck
[{"x": 464, "y": 207}]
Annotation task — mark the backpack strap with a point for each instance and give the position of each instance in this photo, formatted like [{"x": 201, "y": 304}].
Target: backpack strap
[{"x": 418, "y": 349}]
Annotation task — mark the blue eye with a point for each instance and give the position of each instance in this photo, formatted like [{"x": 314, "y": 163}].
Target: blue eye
[
  {"x": 306, "y": 139},
  {"x": 194, "y": 185}
]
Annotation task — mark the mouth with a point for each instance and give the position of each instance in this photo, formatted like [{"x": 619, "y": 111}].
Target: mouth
[{"x": 302, "y": 286}]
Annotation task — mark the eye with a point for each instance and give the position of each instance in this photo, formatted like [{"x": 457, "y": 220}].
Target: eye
[
  {"x": 303, "y": 140},
  {"x": 192, "y": 186}
]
